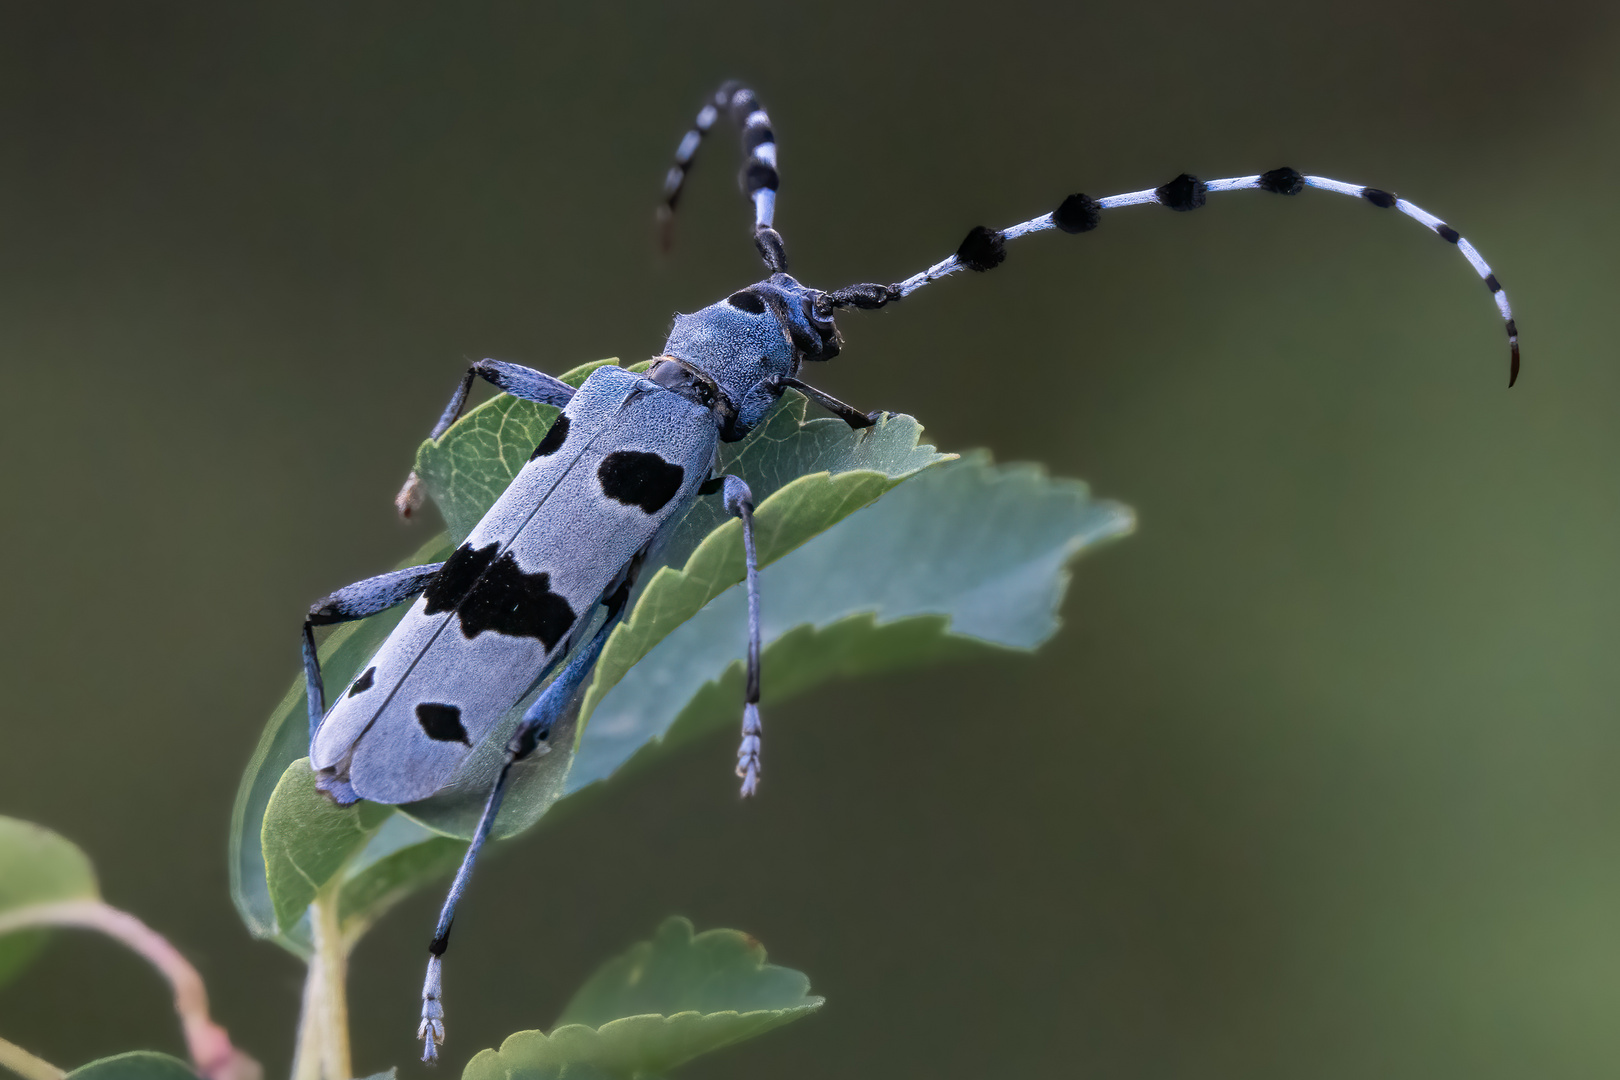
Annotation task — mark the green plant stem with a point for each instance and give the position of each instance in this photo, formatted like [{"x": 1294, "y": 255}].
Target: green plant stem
[
  {"x": 306, "y": 1055},
  {"x": 26, "y": 1065},
  {"x": 326, "y": 999}
]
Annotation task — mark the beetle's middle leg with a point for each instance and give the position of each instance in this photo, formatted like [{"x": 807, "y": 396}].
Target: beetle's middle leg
[
  {"x": 515, "y": 379},
  {"x": 739, "y": 503}
]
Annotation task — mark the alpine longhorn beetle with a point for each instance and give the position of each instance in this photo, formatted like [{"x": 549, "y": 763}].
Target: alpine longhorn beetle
[{"x": 626, "y": 457}]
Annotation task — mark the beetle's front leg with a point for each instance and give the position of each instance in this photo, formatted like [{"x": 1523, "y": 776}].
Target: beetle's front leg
[{"x": 849, "y": 414}]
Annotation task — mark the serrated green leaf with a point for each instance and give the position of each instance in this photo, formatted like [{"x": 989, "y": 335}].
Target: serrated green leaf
[
  {"x": 37, "y": 866},
  {"x": 965, "y": 555},
  {"x": 680, "y": 971},
  {"x": 662, "y": 1003},
  {"x": 541, "y": 1068},
  {"x": 466, "y": 470},
  {"x": 996, "y": 539},
  {"x": 136, "y": 1065},
  {"x": 307, "y": 840},
  {"x": 286, "y": 739}
]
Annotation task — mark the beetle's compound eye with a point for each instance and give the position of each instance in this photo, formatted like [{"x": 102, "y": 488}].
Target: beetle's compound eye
[
  {"x": 744, "y": 300},
  {"x": 818, "y": 316}
]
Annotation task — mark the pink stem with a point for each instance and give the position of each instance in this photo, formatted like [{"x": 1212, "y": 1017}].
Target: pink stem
[{"x": 210, "y": 1047}]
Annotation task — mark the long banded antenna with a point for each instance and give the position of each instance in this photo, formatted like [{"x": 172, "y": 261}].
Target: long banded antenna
[
  {"x": 984, "y": 248},
  {"x": 758, "y": 178}
]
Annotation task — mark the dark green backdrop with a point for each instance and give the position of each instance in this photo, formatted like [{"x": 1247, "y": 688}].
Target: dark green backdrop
[{"x": 1318, "y": 780}]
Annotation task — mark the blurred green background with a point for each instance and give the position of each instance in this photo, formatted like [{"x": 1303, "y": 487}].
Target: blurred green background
[{"x": 1316, "y": 782}]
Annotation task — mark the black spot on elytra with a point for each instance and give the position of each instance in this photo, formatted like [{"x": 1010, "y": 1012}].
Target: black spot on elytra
[
  {"x": 747, "y": 301},
  {"x": 509, "y": 601},
  {"x": 1283, "y": 181},
  {"x": 1185, "y": 192},
  {"x": 457, "y": 577},
  {"x": 1077, "y": 214},
  {"x": 1381, "y": 199},
  {"x": 363, "y": 683},
  {"x": 637, "y": 478},
  {"x": 554, "y": 439},
  {"x": 495, "y": 594},
  {"x": 441, "y": 723},
  {"x": 984, "y": 249}
]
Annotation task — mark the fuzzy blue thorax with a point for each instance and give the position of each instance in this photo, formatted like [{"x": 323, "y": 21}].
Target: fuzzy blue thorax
[{"x": 745, "y": 344}]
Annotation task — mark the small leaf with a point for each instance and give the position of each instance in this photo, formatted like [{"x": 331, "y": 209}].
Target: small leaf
[
  {"x": 307, "y": 840},
  {"x": 469, "y": 467},
  {"x": 679, "y": 971},
  {"x": 286, "y": 739},
  {"x": 37, "y": 866},
  {"x": 664, "y": 1002},
  {"x": 540, "y": 1068},
  {"x": 965, "y": 555},
  {"x": 136, "y": 1065}
]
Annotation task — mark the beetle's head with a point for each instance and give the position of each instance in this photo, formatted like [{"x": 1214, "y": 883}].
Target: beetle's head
[{"x": 752, "y": 336}]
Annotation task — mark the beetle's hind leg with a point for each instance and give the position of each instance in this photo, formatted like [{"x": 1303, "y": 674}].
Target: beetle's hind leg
[
  {"x": 515, "y": 379},
  {"x": 553, "y": 703}
]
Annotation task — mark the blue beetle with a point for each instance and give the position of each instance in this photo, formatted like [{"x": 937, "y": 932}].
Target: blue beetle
[{"x": 547, "y": 573}]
